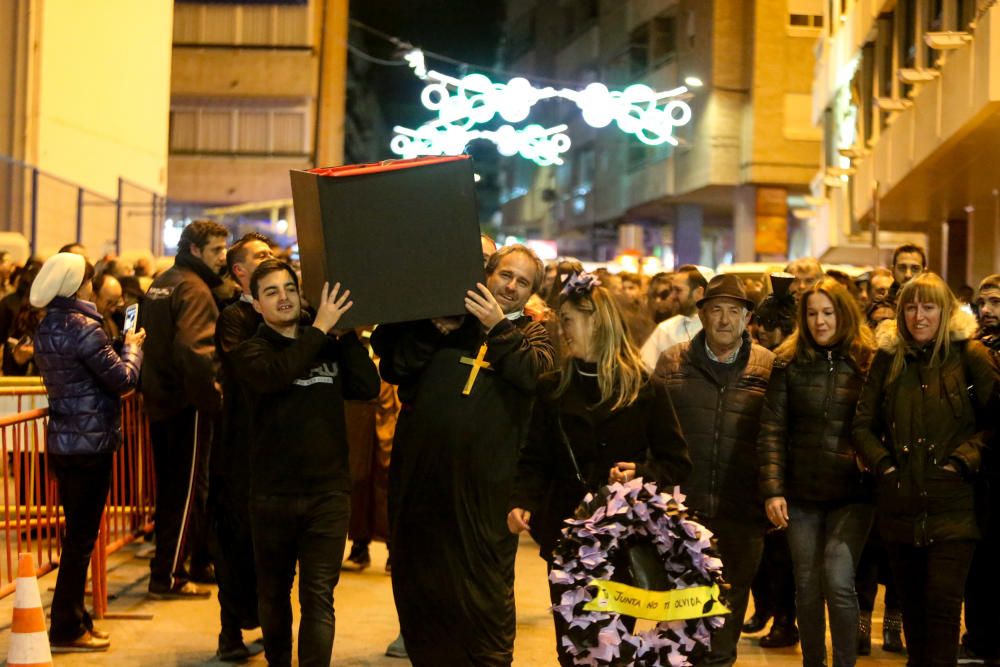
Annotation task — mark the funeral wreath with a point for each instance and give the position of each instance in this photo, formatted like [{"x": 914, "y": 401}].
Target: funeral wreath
[{"x": 598, "y": 557}]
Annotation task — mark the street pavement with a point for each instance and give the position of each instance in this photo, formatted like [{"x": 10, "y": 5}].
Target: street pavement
[{"x": 185, "y": 632}]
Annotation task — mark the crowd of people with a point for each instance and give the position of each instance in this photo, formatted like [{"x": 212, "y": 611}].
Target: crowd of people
[{"x": 833, "y": 433}]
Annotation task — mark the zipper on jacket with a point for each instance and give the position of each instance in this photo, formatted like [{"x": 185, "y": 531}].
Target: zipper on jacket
[
  {"x": 713, "y": 492},
  {"x": 829, "y": 385}
]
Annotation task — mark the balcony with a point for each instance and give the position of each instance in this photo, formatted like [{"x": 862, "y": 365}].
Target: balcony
[{"x": 937, "y": 158}]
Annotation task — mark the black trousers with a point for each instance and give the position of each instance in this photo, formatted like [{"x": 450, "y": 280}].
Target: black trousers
[
  {"x": 180, "y": 458},
  {"x": 774, "y": 585},
  {"x": 312, "y": 531},
  {"x": 83, "y": 482},
  {"x": 740, "y": 544},
  {"x": 931, "y": 585},
  {"x": 873, "y": 568},
  {"x": 982, "y": 613},
  {"x": 231, "y": 547}
]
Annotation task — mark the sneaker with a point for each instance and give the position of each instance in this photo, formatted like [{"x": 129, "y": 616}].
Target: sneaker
[
  {"x": 186, "y": 591},
  {"x": 397, "y": 649},
  {"x": 88, "y": 642}
]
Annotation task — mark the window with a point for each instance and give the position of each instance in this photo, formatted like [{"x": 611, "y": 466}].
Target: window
[
  {"x": 866, "y": 86},
  {"x": 805, "y": 13},
  {"x": 270, "y": 25},
  {"x": 256, "y": 130},
  {"x": 965, "y": 13},
  {"x": 578, "y": 16},
  {"x": 639, "y": 50},
  {"x": 805, "y": 21},
  {"x": 884, "y": 55},
  {"x": 652, "y": 44},
  {"x": 906, "y": 23},
  {"x": 663, "y": 40},
  {"x": 521, "y": 38}
]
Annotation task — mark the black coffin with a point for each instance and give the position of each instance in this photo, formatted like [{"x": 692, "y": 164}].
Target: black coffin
[{"x": 403, "y": 236}]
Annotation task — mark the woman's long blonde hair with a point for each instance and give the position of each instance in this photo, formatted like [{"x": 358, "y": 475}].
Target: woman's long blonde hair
[
  {"x": 852, "y": 337},
  {"x": 926, "y": 287},
  {"x": 620, "y": 371}
]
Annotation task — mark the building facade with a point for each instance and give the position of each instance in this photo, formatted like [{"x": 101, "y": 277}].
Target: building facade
[
  {"x": 746, "y": 158},
  {"x": 908, "y": 93},
  {"x": 256, "y": 90},
  {"x": 84, "y": 96}
]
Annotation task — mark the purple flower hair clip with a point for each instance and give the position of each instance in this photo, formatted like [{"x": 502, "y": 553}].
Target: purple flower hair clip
[{"x": 580, "y": 283}]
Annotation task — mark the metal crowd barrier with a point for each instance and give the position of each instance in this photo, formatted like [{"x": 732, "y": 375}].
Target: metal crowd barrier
[{"x": 33, "y": 518}]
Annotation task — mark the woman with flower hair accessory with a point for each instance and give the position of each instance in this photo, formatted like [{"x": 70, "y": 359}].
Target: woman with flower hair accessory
[{"x": 598, "y": 419}]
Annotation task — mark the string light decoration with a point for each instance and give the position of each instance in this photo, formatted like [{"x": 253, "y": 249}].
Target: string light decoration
[{"x": 462, "y": 104}]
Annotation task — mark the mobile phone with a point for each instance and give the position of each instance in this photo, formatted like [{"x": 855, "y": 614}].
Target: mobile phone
[{"x": 131, "y": 317}]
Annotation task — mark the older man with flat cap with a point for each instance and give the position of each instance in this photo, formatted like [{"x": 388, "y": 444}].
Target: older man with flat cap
[{"x": 717, "y": 381}]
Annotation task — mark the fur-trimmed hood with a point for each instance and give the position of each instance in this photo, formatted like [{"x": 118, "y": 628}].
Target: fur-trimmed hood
[{"x": 962, "y": 325}]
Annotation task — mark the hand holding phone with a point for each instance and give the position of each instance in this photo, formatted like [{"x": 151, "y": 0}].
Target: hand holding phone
[{"x": 136, "y": 338}]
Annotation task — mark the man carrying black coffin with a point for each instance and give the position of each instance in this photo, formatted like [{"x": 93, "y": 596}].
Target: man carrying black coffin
[
  {"x": 298, "y": 378},
  {"x": 467, "y": 386}
]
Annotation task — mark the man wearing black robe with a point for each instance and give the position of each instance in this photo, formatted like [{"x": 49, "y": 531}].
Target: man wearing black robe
[{"x": 466, "y": 385}]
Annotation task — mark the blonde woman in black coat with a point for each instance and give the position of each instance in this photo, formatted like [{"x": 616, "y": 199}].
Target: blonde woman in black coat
[
  {"x": 598, "y": 419},
  {"x": 923, "y": 423}
]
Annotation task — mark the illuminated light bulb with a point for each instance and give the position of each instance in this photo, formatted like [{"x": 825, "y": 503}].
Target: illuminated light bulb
[
  {"x": 693, "y": 82},
  {"x": 638, "y": 92},
  {"x": 435, "y": 96},
  {"x": 596, "y": 105},
  {"x": 479, "y": 83},
  {"x": 415, "y": 58}
]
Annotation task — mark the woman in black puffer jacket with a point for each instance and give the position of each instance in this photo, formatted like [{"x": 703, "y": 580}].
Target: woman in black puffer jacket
[
  {"x": 809, "y": 476},
  {"x": 85, "y": 379}
]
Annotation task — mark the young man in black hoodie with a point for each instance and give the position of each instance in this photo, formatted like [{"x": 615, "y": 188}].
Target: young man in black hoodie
[{"x": 298, "y": 377}]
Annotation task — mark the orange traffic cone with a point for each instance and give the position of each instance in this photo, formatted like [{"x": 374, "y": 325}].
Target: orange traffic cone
[{"x": 29, "y": 643}]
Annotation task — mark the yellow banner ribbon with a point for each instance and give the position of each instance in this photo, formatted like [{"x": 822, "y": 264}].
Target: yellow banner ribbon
[{"x": 677, "y": 605}]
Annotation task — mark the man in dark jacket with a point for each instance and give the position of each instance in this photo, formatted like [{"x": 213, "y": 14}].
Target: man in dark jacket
[
  {"x": 300, "y": 484},
  {"x": 182, "y": 398},
  {"x": 717, "y": 382},
  {"x": 982, "y": 616},
  {"x": 229, "y": 490}
]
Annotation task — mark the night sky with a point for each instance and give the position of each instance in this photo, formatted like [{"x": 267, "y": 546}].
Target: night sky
[{"x": 468, "y": 30}]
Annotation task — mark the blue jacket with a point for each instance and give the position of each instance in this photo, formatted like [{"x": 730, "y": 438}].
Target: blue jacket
[{"x": 85, "y": 378}]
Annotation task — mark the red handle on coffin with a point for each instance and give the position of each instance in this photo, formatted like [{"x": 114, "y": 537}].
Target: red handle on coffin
[{"x": 387, "y": 165}]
